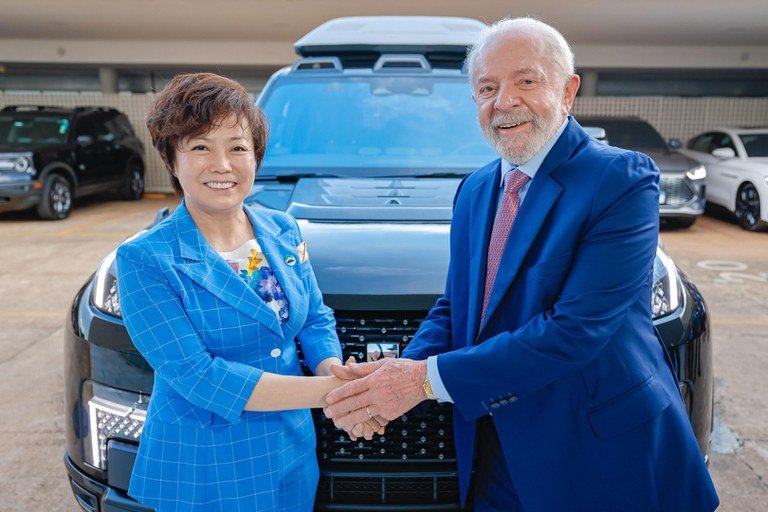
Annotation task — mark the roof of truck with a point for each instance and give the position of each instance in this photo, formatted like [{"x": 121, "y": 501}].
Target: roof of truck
[{"x": 388, "y": 34}]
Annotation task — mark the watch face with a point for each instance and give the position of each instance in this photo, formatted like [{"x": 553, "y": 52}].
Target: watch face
[{"x": 376, "y": 350}]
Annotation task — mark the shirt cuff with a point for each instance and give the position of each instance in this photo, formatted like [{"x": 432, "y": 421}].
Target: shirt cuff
[{"x": 433, "y": 374}]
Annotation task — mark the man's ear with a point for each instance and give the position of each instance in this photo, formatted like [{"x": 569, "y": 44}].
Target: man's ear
[{"x": 569, "y": 93}]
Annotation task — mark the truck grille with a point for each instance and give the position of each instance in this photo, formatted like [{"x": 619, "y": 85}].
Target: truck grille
[
  {"x": 428, "y": 438},
  {"x": 675, "y": 190},
  {"x": 390, "y": 490},
  {"x": 418, "y": 450}
]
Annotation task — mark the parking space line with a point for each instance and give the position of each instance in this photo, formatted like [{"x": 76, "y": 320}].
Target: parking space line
[
  {"x": 31, "y": 314},
  {"x": 90, "y": 225},
  {"x": 751, "y": 322}
]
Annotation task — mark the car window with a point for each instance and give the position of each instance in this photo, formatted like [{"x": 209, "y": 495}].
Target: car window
[
  {"x": 115, "y": 126},
  {"x": 756, "y": 144},
  {"x": 124, "y": 125},
  {"x": 33, "y": 129},
  {"x": 103, "y": 134},
  {"x": 627, "y": 134},
  {"x": 701, "y": 143},
  {"x": 85, "y": 126},
  {"x": 721, "y": 140},
  {"x": 391, "y": 125}
]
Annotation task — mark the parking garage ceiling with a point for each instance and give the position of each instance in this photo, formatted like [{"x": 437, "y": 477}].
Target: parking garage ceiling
[{"x": 48, "y": 30}]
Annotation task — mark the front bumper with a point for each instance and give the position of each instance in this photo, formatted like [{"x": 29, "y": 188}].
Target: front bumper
[
  {"x": 693, "y": 209},
  {"x": 18, "y": 195},
  {"x": 94, "y": 496}
]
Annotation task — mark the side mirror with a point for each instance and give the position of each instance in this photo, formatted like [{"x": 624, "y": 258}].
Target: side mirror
[
  {"x": 596, "y": 132},
  {"x": 675, "y": 144},
  {"x": 724, "y": 153},
  {"x": 84, "y": 140}
]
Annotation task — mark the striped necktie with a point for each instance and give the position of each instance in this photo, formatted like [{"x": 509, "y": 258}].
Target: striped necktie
[{"x": 510, "y": 204}]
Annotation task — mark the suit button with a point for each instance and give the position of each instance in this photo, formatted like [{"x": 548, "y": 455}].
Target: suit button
[
  {"x": 513, "y": 398},
  {"x": 276, "y": 352},
  {"x": 494, "y": 405},
  {"x": 503, "y": 402}
]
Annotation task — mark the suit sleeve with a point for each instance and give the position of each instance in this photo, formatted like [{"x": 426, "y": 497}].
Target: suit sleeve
[
  {"x": 611, "y": 267},
  {"x": 317, "y": 336},
  {"x": 161, "y": 330}
]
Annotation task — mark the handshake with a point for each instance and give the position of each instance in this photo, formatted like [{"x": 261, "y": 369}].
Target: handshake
[{"x": 376, "y": 393}]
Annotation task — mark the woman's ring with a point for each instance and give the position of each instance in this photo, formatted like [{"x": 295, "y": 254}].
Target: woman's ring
[{"x": 369, "y": 412}]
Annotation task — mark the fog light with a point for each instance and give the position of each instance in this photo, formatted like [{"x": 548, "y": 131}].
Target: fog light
[{"x": 112, "y": 414}]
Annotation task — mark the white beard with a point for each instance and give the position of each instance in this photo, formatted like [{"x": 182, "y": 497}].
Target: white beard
[{"x": 519, "y": 150}]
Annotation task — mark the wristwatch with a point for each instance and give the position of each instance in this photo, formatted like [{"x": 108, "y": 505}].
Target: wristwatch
[{"x": 427, "y": 387}]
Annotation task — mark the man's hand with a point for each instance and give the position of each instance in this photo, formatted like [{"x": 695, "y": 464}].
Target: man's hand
[
  {"x": 386, "y": 388},
  {"x": 367, "y": 428}
]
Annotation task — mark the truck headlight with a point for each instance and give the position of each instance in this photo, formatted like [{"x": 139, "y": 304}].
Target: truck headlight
[
  {"x": 104, "y": 294},
  {"x": 697, "y": 173},
  {"x": 22, "y": 164},
  {"x": 667, "y": 289},
  {"x": 111, "y": 414}
]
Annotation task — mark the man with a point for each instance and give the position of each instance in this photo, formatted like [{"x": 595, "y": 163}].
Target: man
[{"x": 564, "y": 397}]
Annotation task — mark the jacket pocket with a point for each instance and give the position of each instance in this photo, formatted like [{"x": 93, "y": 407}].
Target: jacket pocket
[
  {"x": 629, "y": 410},
  {"x": 176, "y": 410}
]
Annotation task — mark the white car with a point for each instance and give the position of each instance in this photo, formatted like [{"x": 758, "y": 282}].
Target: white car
[{"x": 737, "y": 171}]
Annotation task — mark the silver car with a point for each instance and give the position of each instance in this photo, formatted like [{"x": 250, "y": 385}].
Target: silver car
[{"x": 681, "y": 198}]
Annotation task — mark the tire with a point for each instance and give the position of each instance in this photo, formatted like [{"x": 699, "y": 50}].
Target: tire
[
  {"x": 56, "y": 200},
  {"x": 748, "y": 208},
  {"x": 133, "y": 184},
  {"x": 680, "y": 222}
]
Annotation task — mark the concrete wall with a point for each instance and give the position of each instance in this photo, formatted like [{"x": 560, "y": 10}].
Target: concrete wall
[{"x": 673, "y": 117}]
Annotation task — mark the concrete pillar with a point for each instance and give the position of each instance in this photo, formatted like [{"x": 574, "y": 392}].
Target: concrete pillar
[
  {"x": 588, "y": 83},
  {"x": 108, "y": 79}
]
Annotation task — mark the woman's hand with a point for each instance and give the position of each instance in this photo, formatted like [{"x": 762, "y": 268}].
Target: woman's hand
[{"x": 366, "y": 430}]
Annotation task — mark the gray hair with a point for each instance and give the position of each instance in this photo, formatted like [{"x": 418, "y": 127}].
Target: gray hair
[{"x": 555, "y": 47}]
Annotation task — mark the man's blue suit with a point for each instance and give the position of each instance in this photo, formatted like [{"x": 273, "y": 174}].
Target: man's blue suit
[
  {"x": 567, "y": 361},
  {"x": 209, "y": 338}
]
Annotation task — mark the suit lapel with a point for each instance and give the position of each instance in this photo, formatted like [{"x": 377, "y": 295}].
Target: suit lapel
[
  {"x": 278, "y": 248},
  {"x": 539, "y": 200},
  {"x": 209, "y": 270},
  {"x": 481, "y": 215}
]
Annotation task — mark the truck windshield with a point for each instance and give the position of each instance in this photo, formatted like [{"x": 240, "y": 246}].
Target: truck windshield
[
  {"x": 372, "y": 126},
  {"x": 33, "y": 129}
]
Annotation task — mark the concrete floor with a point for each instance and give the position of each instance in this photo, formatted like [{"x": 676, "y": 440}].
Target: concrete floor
[{"x": 43, "y": 264}]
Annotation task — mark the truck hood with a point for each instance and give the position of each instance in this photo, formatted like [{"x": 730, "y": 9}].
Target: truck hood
[
  {"x": 385, "y": 236},
  {"x": 361, "y": 199}
]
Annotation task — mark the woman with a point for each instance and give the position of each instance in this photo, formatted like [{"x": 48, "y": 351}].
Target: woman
[{"x": 214, "y": 297}]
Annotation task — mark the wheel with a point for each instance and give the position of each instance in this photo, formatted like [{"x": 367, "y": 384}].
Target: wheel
[
  {"x": 56, "y": 200},
  {"x": 748, "y": 208},
  {"x": 133, "y": 186}
]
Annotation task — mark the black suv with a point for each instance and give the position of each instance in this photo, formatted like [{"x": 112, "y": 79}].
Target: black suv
[
  {"x": 366, "y": 152},
  {"x": 51, "y": 155}
]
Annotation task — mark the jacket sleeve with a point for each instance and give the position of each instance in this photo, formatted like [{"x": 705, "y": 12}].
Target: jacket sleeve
[
  {"x": 612, "y": 264},
  {"x": 434, "y": 334},
  {"x": 317, "y": 336},
  {"x": 160, "y": 329}
]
